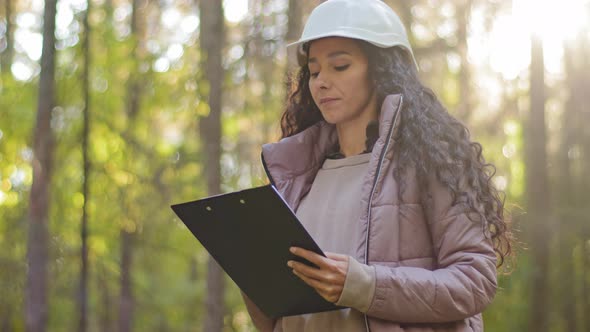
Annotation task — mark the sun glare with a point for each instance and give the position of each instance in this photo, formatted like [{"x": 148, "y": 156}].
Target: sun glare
[
  {"x": 551, "y": 19},
  {"x": 235, "y": 10},
  {"x": 555, "y": 22}
]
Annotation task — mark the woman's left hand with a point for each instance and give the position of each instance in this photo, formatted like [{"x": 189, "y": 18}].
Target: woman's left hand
[{"x": 328, "y": 279}]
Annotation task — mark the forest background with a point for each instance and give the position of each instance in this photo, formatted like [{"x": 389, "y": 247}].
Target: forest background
[{"x": 111, "y": 110}]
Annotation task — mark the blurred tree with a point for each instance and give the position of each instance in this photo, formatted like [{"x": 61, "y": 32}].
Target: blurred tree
[
  {"x": 294, "y": 26},
  {"x": 212, "y": 39},
  {"x": 582, "y": 100},
  {"x": 568, "y": 200},
  {"x": 127, "y": 301},
  {"x": 36, "y": 292},
  {"x": 538, "y": 205},
  {"x": 465, "y": 104},
  {"x": 83, "y": 291},
  {"x": 7, "y": 42}
]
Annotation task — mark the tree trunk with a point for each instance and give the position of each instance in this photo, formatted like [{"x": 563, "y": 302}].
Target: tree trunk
[
  {"x": 212, "y": 40},
  {"x": 37, "y": 247},
  {"x": 583, "y": 82},
  {"x": 106, "y": 322},
  {"x": 191, "y": 313},
  {"x": 464, "y": 109},
  {"x": 294, "y": 25},
  {"x": 6, "y": 57},
  {"x": 537, "y": 190},
  {"x": 126, "y": 303},
  {"x": 83, "y": 292},
  {"x": 571, "y": 224},
  {"x": 126, "y": 300},
  {"x": 585, "y": 283},
  {"x": 294, "y": 28},
  {"x": 6, "y": 320}
]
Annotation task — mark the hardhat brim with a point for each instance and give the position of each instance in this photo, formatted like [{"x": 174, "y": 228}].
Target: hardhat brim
[{"x": 380, "y": 40}]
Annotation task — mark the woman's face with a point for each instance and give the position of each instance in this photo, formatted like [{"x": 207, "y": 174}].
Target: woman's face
[{"x": 339, "y": 80}]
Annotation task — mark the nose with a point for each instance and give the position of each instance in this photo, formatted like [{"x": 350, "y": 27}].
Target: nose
[{"x": 322, "y": 81}]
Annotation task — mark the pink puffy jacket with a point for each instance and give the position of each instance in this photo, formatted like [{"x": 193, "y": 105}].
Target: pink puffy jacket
[{"x": 435, "y": 269}]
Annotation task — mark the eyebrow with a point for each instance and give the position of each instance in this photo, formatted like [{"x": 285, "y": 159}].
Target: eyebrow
[{"x": 331, "y": 55}]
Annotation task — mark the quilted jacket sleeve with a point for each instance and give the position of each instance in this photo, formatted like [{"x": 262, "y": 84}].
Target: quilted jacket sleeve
[{"x": 462, "y": 285}]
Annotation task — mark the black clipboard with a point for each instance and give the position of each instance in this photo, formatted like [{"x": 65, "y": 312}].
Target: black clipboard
[{"x": 249, "y": 234}]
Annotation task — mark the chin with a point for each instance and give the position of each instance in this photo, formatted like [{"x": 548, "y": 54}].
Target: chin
[
  {"x": 331, "y": 119},
  {"x": 336, "y": 120}
]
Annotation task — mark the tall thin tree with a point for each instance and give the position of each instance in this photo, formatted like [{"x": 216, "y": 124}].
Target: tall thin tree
[
  {"x": 133, "y": 107},
  {"x": 126, "y": 302},
  {"x": 464, "y": 109},
  {"x": 583, "y": 81},
  {"x": 6, "y": 56},
  {"x": 126, "y": 299},
  {"x": 105, "y": 317},
  {"x": 83, "y": 291},
  {"x": 567, "y": 202},
  {"x": 212, "y": 38},
  {"x": 537, "y": 190},
  {"x": 37, "y": 247},
  {"x": 295, "y": 13}
]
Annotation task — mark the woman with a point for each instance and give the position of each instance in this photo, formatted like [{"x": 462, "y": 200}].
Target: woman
[{"x": 386, "y": 181}]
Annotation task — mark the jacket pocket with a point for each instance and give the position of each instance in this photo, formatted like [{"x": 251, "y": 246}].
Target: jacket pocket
[
  {"x": 383, "y": 235},
  {"x": 414, "y": 235}
]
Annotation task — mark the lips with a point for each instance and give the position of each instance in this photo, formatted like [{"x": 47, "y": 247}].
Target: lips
[{"x": 327, "y": 100}]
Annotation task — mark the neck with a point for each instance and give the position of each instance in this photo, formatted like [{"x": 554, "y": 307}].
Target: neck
[{"x": 353, "y": 134}]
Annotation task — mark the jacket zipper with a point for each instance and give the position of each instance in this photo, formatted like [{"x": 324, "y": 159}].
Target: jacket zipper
[
  {"x": 379, "y": 165},
  {"x": 375, "y": 180}
]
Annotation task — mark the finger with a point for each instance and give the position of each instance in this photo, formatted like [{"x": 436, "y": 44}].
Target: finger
[
  {"x": 311, "y": 256},
  {"x": 336, "y": 257},
  {"x": 329, "y": 292},
  {"x": 308, "y": 280},
  {"x": 326, "y": 276},
  {"x": 309, "y": 271}
]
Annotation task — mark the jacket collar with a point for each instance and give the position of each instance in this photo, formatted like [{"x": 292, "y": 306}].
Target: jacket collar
[{"x": 304, "y": 153}]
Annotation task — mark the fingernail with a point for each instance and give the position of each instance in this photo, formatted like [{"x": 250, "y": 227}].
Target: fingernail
[
  {"x": 290, "y": 263},
  {"x": 292, "y": 249}
]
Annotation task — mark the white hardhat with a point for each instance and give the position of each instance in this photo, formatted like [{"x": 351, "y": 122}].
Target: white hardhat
[{"x": 369, "y": 20}]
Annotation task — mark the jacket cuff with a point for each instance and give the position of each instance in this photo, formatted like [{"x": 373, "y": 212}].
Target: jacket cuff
[{"x": 359, "y": 286}]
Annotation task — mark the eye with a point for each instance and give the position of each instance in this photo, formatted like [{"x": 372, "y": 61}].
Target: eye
[
  {"x": 314, "y": 75},
  {"x": 341, "y": 68}
]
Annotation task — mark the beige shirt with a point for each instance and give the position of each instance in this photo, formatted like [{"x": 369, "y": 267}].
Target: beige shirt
[{"x": 330, "y": 213}]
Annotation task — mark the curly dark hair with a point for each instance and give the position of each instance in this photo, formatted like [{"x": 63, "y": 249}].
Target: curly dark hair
[{"x": 431, "y": 141}]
